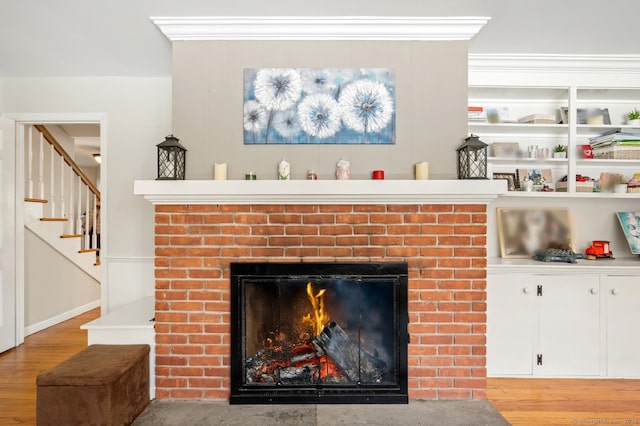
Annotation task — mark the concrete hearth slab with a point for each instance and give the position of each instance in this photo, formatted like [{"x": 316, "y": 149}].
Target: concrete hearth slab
[{"x": 176, "y": 413}]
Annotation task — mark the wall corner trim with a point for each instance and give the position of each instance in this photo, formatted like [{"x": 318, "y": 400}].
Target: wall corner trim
[{"x": 319, "y": 28}]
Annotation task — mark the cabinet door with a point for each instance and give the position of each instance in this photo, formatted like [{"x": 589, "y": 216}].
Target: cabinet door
[
  {"x": 511, "y": 324},
  {"x": 569, "y": 325},
  {"x": 623, "y": 316}
]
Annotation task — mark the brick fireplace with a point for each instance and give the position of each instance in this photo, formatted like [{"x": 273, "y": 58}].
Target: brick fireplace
[{"x": 437, "y": 227}]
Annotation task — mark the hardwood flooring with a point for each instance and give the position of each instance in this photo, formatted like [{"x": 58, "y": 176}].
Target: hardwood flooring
[
  {"x": 566, "y": 401},
  {"x": 520, "y": 401},
  {"x": 20, "y": 366}
]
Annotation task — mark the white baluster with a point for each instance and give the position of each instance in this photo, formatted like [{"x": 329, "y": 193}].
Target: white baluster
[
  {"x": 70, "y": 208},
  {"x": 79, "y": 208},
  {"x": 52, "y": 181},
  {"x": 63, "y": 212},
  {"x": 86, "y": 220},
  {"x": 30, "y": 163},
  {"x": 41, "y": 165},
  {"x": 94, "y": 228}
]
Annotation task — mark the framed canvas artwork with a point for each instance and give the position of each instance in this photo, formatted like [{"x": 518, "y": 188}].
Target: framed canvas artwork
[
  {"x": 630, "y": 223},
  {"x": 319, "y": 106}
]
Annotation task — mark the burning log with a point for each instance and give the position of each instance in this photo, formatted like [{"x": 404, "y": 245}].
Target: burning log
[{"x": 356, "y": 364}]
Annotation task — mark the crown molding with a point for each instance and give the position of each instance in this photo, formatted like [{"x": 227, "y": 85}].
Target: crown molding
[
  {"x": 554, "y": 63},
  {"x": 319, "y": 28}
]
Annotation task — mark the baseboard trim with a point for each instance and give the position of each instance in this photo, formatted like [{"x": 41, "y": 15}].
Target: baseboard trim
[{"x": 39, "y": 326}]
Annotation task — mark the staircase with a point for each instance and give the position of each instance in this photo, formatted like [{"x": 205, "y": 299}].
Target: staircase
[{"x": 61, "y": 203}]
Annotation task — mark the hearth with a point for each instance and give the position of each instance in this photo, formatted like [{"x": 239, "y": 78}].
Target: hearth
[{"x": 319, "y": 333}]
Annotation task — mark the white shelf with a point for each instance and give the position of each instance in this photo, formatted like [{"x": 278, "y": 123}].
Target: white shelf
[
  {"x": 539, "y": 129},
  {"x": 621, "y": 266},
  {"x": 528, "y": 161},
  {"x": 320, "y": 192},
  {"x": 595, "y": 162},
  {"x": 557, "y": 194}
]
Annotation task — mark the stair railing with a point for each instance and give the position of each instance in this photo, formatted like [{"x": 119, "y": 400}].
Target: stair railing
[{"x": 54, "y": 178}]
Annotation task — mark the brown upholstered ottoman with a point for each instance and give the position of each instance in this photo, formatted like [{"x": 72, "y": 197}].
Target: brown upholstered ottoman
[{"x": 101, "y": 385}]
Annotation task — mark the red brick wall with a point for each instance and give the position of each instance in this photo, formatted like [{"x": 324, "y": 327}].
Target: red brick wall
[{"x": 444, "y": 246}]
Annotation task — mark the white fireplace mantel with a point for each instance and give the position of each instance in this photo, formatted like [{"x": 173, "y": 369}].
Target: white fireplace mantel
[
  {"x": 399, "y": 28},
  {"x": 320, "y": 192}
]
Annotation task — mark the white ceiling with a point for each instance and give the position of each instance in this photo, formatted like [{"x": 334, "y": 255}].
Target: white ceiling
[{"x": 117, "y": 38}]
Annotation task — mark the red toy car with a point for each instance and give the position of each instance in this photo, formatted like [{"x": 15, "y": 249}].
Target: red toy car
[{"x": 600, "y": 250}]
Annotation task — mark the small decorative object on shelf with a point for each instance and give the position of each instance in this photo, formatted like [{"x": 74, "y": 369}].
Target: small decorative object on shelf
[
  {"x": 633, "y": 118},
  {"x": 506, "y": 149},
  {"x": 171, "y": 159},
  {"x": 538, "y": 119},
  {"x": 250, "y": 176},
  {"x": 583, "y": 184},
  {"x": 559, "y": 151},
  {"x": 284, "y": 170},
  {"x": 633, "y": 184},
  {"x": 312, "y": 175},
  {"x": 472, "y": 159},
  {"x": 599, "y": 250},
  {"x": 557, "y": 255},
  {"x": 586, "y": 151},
  {"x": 343, "y": 169},
  {"x": 377, "y": 175}
]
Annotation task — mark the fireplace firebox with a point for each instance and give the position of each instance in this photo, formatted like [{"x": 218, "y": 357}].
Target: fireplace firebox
[{"x": 319, "y": 333}]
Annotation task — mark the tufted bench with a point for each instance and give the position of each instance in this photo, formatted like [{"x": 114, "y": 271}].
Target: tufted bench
[{"x": 101, "y": 385}]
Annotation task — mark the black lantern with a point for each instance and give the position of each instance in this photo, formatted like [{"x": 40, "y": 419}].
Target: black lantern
[
  {"x": 171, "y": 159},
  {"x": 472, "y": 159}
]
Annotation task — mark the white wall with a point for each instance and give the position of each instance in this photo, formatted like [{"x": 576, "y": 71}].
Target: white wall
[
  {"x": 138, "y": 115},
  {"x": 53, "y": 284}
]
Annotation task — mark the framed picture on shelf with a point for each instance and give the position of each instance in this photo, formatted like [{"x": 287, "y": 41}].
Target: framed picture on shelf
[
  {"x": 538, "y": 176},
  {"x": 523, "y": 231},
  {"x": 630, "y": 223},
  {"x": 505, "y": 149},
  {"x": 512, "y": 182},
  {"x": 593, "y": 116}
]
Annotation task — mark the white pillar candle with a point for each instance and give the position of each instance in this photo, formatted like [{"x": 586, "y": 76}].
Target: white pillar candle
[
  {"x": 422, "y": 171},
  {"x": 220, "y": 171}
]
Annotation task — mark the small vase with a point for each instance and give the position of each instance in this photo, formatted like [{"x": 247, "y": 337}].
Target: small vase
[
  {"x": 562, "y": 154},
  {"x": 635, "y": 122}
]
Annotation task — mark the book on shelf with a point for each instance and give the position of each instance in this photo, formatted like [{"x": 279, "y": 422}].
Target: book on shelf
[
  {"x": 476, "y": 113},
  {"x": 627, "y": 136}
]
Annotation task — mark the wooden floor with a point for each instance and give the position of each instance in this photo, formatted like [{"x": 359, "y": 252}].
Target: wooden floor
[
  {"x": 566, "y": 401},
  {"x": 520, "y": 401},
  {"x": 20, "y": 366}
]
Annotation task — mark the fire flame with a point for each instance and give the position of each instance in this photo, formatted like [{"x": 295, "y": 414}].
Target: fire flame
[{"x": 320, "y": 315}]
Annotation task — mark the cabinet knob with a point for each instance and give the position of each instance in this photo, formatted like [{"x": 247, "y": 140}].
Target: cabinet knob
[
  {"x": 615, "y": 291},
  {"x": 594, "y": 291},
  {"x": 526, "y": 290}
]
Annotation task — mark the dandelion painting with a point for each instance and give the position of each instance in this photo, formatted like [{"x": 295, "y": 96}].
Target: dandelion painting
[{"x": 319, "y": 106}]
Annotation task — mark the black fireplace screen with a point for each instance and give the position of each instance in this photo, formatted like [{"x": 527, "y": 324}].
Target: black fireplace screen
[{"x": 319, "y": 333}]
